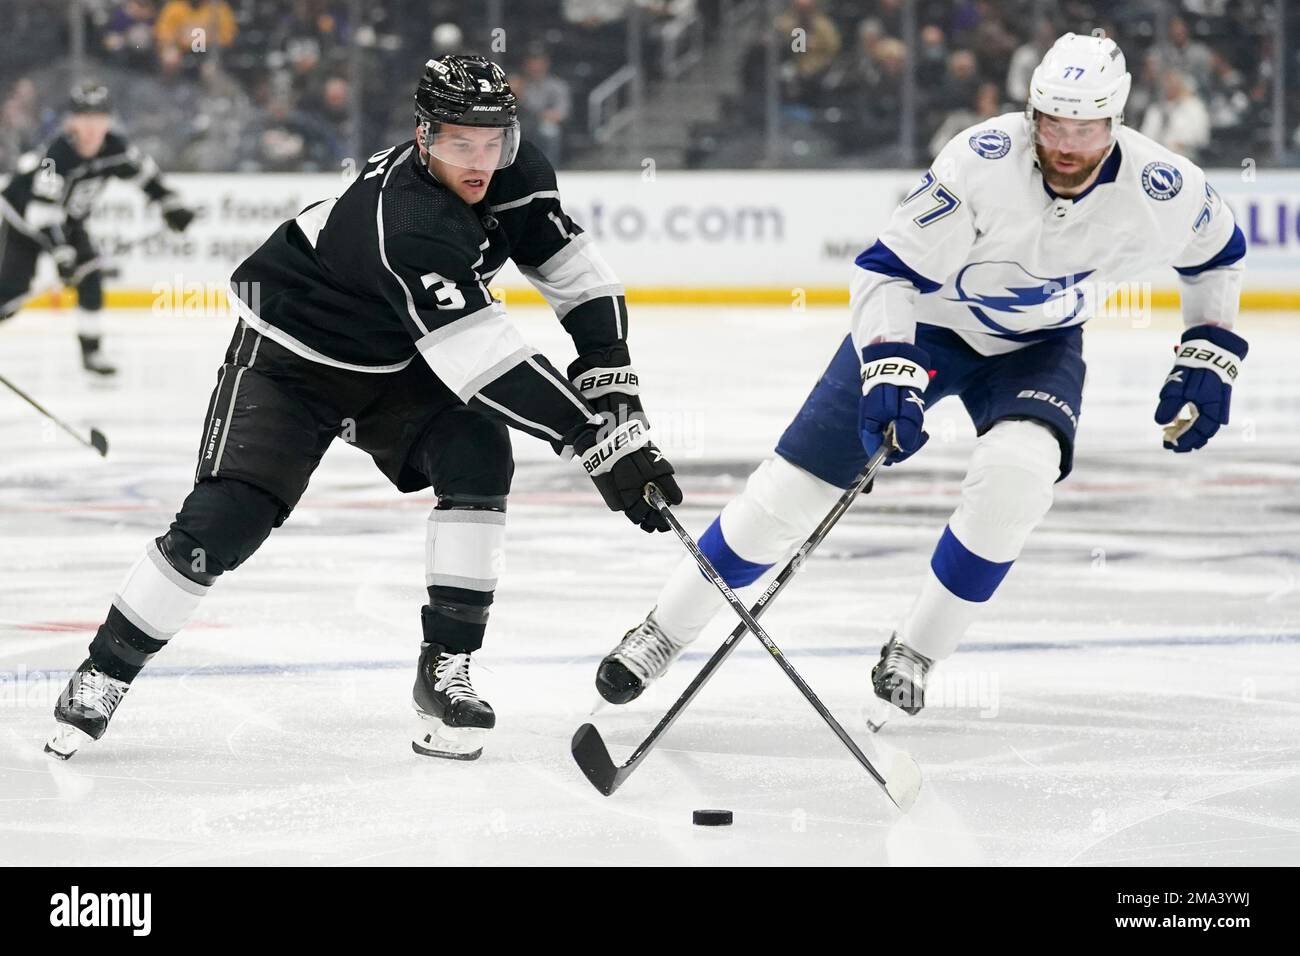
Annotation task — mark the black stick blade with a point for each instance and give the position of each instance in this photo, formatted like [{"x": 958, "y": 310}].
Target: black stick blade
[
  {"x": 592, "y": 757},
  {"x": 99, "y": 442}
]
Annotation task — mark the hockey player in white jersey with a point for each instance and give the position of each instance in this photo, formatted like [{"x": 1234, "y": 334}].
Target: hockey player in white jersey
[{"x": 979, "y": 287}]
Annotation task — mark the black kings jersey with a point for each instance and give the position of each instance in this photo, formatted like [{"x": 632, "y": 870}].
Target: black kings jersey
[
  {"x": 398, "y": 267},
  {"x": 51, "y": 193}
]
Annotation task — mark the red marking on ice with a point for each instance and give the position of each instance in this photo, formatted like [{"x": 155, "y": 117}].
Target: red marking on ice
[{"x": 55, "y": 627}]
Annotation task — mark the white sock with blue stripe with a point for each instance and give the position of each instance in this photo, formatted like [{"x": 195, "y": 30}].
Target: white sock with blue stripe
[
  {"x": 778, "y": 509},
  {"x": 1006, "y": 493}
]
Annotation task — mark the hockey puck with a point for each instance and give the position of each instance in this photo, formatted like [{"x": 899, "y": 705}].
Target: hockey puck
[{"x": 711, "y": 818}]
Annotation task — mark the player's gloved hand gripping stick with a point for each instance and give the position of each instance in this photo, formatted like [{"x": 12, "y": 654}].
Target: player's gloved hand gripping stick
[
  {"x": 620, "y": 463},
  {"x": 902, "y": 781},
  {"x": 894, "y": 377}
]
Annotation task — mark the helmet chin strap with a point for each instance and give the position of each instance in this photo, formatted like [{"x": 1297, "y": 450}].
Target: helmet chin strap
[{"x": 426, "y": 156}]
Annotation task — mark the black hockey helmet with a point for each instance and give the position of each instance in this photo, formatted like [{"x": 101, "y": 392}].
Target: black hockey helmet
[
  {"x": 89, "y": 97},
  {"x": 458, "y": 90}
]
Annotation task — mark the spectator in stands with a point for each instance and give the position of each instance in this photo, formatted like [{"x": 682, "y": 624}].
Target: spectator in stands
[
  {"x": 128, "y": 33},
  {"x": 959, "y": 86},
  {"x": 224, "y": 113},
  {"x": 986, "y": 104},
  {"x": 596, "y": 26},
  {"x": 992, "y": 40},
  {"x": 318, "y": 24},
  {"x": 1026, "y": 57},
  {"x": 447, "y": 38},
  {"x": 879, "y": 94},
  {"x": 193, "y": 26},
  {"x": 1225, "y": 94},
  {"x": 932, "y": 60},
  {"x": 544, "y": 103},
  {"x": 890, "y": 15},
  {"x": 1179, "y": 119},
  {"x": 810, "y": 41},
  {"x": 331, "y": 102},
  {"x": 870, "y": 32},
  {"x": 1186, "y": 55},
  {"x": 594, "y": 13},
  {"x": 858, "y": 68},
  {"x": 20, "y": 127},
  {"x": 284, "y": 140}
]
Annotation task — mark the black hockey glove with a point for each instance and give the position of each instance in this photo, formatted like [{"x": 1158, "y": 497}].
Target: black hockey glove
[
  {"x": 61, "y": 251},
  {"x": 178, "y": 218},
  {"x": 606, "y": 379},
  {"x": 621, "y": 463}
]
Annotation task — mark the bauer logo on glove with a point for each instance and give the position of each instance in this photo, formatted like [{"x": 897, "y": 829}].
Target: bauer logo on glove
[
  {"x": 602, "y": 455},
  {"x": 1197, "y": 393},
  {"x": 894, "y": 378},
  {"x": 600, "y": 381}
]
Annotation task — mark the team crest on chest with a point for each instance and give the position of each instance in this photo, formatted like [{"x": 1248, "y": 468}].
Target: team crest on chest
[
  {"x": 991, "y": 143},
  {"x": 1161, "y": 181}
]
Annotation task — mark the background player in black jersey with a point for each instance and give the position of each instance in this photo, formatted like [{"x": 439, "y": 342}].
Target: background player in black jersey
[
  {"x": 368, "y": 317},
  {"x": 45, "y": 206}
]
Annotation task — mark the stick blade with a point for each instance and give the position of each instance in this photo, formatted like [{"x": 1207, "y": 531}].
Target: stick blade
[
  {"x": 593, "y": 759},
  {"x": 99, "y": 442},
  {"x": 903, "y": 780}
]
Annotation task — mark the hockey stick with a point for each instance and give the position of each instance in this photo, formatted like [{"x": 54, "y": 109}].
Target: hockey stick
[
  {"x": 96, "y": 440},
  {"x": 589, "y": 749},
  {"x": 56, "y": 285}
]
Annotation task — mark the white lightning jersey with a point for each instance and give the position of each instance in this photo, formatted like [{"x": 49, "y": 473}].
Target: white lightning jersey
[{"x": 983, "y": 247}]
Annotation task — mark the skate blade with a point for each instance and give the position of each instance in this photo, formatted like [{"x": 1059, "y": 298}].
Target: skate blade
[
  {"x": 876, "y": 713},
  {"x": 436, "y": 739},
  {"x": 66, "y": 741}
]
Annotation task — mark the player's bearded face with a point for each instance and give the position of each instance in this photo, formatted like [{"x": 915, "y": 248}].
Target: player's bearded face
[
  {"x": 465, "y": 157},
  {"x": 1069, "y": 150},
  {"x": 88, "y": 131}
]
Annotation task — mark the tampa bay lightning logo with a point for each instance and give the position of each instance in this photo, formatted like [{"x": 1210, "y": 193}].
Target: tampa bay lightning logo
[
  {"x": 991, "y": 143},
  {"x": 1008, "y": 289},
  {"x": 1161, "y": 181}
]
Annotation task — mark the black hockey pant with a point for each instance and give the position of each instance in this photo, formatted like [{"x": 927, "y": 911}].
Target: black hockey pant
[{"x": 271, "y": 418}]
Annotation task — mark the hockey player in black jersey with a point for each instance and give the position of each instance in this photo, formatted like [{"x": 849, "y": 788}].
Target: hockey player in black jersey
[
  {"x": 368, "y": 317},
  {"x": 45, "y": 206}
]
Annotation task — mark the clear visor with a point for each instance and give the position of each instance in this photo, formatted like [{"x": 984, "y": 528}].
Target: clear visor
[
  {"x": 1062, "y": 134},
  {"x": 475, "y": 147}
]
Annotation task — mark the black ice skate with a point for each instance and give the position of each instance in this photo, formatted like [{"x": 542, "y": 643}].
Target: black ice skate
[
  {"x": 84, "y": 709},
  {"x": 898, "y": 679},
  {"x": 453, "y": 718},
  {"x": 641, "y": 658},
  {"x": 92, "y": 357}
]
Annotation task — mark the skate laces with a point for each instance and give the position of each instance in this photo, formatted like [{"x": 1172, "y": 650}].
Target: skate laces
[
  {"x": 99, "y": 692},
  {"x": 646, "y": 650},
  {"x": 905, "y": 662},
  {"x": 452, "y": 675}
]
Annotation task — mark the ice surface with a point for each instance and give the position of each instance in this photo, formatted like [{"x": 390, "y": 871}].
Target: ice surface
[{"x": 1132, "y": 695}]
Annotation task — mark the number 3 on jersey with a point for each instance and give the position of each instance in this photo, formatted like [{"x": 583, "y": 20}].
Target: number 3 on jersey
[{"x": 444, "y": 290}]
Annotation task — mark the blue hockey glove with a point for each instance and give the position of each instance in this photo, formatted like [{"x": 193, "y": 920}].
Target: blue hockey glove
[
  {"x": 1205, "y": 369},
  {"x": 894, "y": 377}
]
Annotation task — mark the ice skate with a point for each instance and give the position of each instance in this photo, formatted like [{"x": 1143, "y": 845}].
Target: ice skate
[
  {"x": 641, "y": 657},
  {"x": 898, "y": 680},
  {"x": 453, "y": 719},
  {"x": 92, "y": 358},
  {"x": 84, "y": 710}
]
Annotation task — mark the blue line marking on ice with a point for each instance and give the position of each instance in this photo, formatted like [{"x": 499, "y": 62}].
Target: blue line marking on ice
[{"x": 867, "y": 648}]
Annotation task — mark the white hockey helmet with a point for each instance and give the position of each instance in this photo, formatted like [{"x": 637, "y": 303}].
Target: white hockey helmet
[{"x": 1081, "y": 77}]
